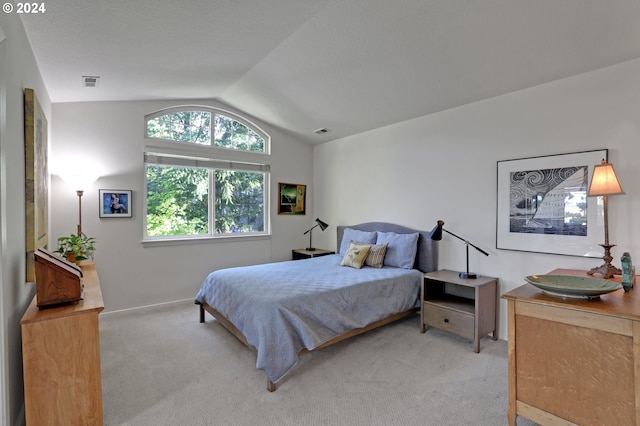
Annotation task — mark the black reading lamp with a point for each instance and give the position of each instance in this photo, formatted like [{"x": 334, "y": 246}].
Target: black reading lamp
[
  {"x": 322, "y": 226},
  {"x": 436, "y": 234}
]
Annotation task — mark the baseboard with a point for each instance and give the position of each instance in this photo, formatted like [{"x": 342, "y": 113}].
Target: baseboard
[{"x": 147, "y": 307}]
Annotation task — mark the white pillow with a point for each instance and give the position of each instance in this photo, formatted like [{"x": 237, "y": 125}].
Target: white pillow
[
  {"x": 351, "y": 234},
  {"x": 401, "y": 249}
]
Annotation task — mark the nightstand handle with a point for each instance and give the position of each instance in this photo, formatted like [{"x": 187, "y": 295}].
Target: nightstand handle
[{"x": 446, "y": 320}]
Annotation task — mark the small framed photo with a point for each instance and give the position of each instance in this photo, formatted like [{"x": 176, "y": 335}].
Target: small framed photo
[
  {"x": 115, "y": 203},
  {"x": 292, "y": 198}
]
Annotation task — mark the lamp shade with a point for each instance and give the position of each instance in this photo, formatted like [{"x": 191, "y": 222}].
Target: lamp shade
[
  {"x": 79, "y": 181},
  {"x": 436, "y": 232},
  {"x": 321, "y": 224},
  {"x": 604, "y": 181}
]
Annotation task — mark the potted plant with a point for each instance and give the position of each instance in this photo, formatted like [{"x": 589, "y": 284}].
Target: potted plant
[{"x": 76, "y": 248}]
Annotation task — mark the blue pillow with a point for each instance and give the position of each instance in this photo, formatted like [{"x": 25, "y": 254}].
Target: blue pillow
[
  {"x": 361, "y": 237},
  {"x": 401, "y": 249}
]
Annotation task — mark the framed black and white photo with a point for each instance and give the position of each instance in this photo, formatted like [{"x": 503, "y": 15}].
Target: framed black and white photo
[
  {"x": 115, "y": 203},
  {"x": 543, "y": 205}
]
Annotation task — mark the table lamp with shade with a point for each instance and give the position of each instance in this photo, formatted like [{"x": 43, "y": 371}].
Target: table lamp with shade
[{"x": 604, "y": 182}]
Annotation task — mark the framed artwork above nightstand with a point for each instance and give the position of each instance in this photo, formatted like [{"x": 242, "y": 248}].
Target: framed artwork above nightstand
[{"x": 292, "y": 198}]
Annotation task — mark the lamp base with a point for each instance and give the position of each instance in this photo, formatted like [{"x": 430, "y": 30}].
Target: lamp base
[
  {"x": 468, "y": 275},
  {"x": 310, "y": 249},
  {"x": 607, "y": 270}
]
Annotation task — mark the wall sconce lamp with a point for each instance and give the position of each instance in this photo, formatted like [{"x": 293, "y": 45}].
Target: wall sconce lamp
[
  {"x": 322, "y": 226},
  {"x": 604, "y": 182},
  {"x": 79, "y": 182},
  {"x": 436, "y": 235}
]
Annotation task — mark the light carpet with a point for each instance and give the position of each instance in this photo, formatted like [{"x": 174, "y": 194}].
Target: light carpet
[{"x": 161, "y": 366}]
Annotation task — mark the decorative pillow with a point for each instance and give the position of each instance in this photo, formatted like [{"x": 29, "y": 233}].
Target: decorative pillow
[
  {"x": 401, "y": 250},
  {"x": 355, "y": 256},
  {"x": 376, "y": 254},
  {"x": 351, "y": 234}
]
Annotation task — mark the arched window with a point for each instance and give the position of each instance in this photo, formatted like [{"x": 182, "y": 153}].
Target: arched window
[
  {"x": 207, "y": 174},
  {"x": 195, "y": 126}
]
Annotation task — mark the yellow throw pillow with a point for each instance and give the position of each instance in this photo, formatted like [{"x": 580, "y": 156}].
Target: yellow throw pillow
[{"x": 356, "y": 254}]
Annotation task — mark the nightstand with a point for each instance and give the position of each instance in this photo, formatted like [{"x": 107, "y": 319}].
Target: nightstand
[
  {"x": 297, "y": 254},
  {"x": 463, "y": 306}
]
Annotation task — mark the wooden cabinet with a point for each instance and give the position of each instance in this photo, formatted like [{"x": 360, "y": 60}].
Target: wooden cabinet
[
  {"x": 61, "y": 359},
  {"x": 297, "y": 254},
  {"x": 463, "y": 306},
  {"x": 574, "y": 361}
]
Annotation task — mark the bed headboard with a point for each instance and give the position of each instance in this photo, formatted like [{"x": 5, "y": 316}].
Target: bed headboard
[{"x": 427, "y": 255}]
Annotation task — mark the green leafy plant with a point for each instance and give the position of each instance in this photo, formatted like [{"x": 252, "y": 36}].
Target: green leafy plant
[{"x": 76, "y": 247}]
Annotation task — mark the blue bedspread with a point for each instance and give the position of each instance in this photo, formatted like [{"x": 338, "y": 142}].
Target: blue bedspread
[{"x": 284, "y": 307}]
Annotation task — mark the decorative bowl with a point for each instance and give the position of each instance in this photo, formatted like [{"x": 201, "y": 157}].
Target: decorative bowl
[{"x": 571, "y": 286}]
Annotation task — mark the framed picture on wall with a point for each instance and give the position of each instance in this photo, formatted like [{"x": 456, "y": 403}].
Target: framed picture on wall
[
  {"x": 543, "y": 205},
  {"x": 115, "y": 203},
  {"x": 36, "y": 179},
  {"x": 292, "y": 198}
]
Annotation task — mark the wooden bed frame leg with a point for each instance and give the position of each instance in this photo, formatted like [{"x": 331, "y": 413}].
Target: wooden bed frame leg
[
  {"x": 271, "y": 387},
  {"x": 201, "y": 314}
]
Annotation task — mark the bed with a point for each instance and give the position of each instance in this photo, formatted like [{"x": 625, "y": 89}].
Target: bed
[{"x": 284, "y": 310}]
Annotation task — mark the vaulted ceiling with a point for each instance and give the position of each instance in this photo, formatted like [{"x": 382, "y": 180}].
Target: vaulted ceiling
[{"x": 346, "y": 65}]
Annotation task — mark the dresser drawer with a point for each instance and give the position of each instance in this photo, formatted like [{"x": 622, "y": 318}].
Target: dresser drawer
[{"x": 460, "y": 323}]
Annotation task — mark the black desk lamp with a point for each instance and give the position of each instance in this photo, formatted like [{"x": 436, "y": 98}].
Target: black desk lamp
[
  {"x": 436, "y": 234},
  {"x": 322, "y": 226}
]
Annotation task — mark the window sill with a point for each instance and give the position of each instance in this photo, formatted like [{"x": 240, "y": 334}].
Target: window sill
[{"x": 177, "y": 241}]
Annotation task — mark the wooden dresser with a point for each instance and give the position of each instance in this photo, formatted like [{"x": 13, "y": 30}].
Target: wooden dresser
[
  {"x": 61, "y": 359},
  {"x": 574, "y": 361}
]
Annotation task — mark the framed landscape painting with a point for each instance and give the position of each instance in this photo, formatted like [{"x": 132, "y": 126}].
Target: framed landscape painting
[
  {"x": 115, "y": 203},
  {"x": 36, "y": 179},
  {"x": 543, "y": 206},
  {"x": 292, "y": 198}
]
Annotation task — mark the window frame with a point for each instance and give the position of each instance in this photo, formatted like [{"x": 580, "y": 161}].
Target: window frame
[
  {"x": 213, "y": 110},
  {"x": 212, "y": 154}
]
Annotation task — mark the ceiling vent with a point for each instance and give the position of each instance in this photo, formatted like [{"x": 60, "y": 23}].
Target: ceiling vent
[
  {"x": 90, "y": 80},
  {"x": 321, "y": 131}
]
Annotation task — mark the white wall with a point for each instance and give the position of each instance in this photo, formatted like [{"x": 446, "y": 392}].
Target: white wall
[
  {"x": 443, "y": 166},
  {"x": 18, "y": 71},
  {"x": 110, "y": 135}
]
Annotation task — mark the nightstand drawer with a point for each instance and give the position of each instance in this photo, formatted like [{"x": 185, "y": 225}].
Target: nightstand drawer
[{"x": 460, "y": 323}]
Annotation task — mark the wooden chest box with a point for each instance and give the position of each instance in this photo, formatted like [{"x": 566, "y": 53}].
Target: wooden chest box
[{"x": 57, "y": 281}]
